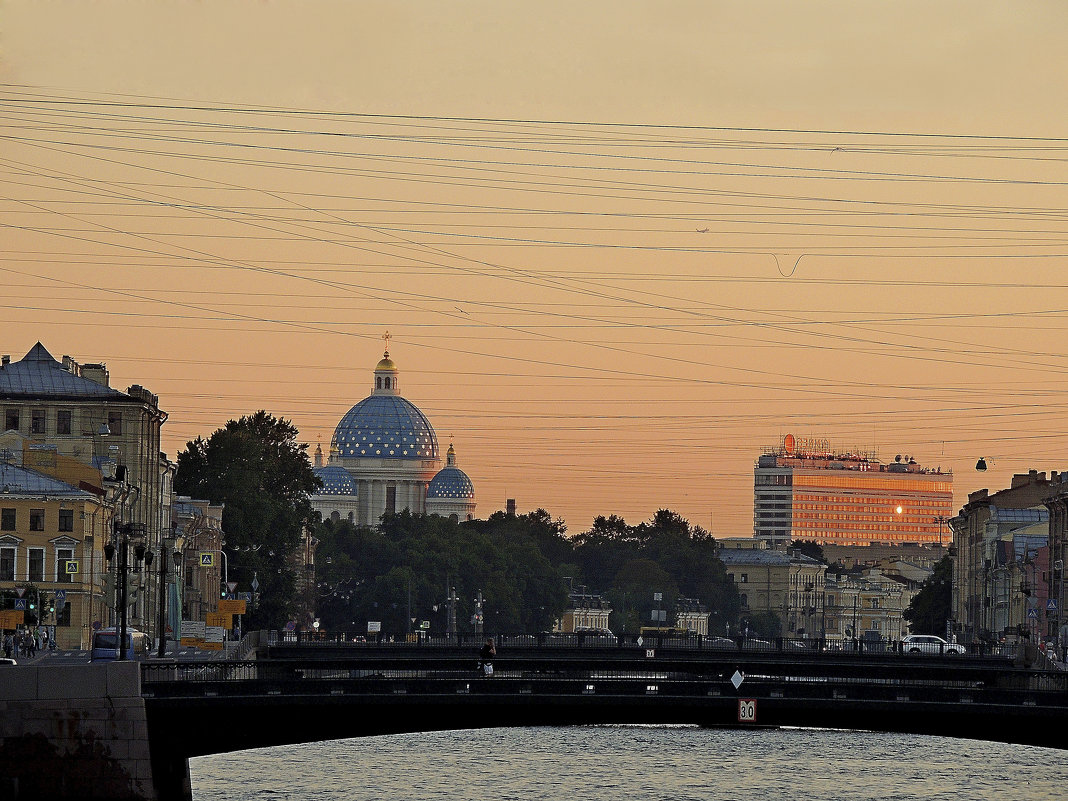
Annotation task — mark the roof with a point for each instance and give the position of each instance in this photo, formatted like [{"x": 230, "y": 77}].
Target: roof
[
  {"x": 450, "y": 481},
  {"x": 336, "y": 481},
  {"x": 15, "y": 480},
  {"x": 386, "y": 427},
  {"x": 753, "y": 556},
  {"x": 39, "y": 375}
]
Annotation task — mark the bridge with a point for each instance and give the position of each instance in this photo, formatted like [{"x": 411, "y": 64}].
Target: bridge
[{"x": 321, "y": 689}]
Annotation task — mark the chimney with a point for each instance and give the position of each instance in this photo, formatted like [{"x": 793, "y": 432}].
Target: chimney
[
  {"x": 97, "y": 373},
  {"x": 510, "y": 507},
  {"x": 5, "y": 360}
]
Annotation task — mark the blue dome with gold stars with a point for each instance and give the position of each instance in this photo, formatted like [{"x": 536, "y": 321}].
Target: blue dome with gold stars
[
  {"x": 385, "y": 425},
  {"x": 336, "y": 481},
  {"x": 450, "y": 481}
]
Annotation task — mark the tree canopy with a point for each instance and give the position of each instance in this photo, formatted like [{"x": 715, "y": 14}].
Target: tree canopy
[
  {"x": 666, "y": 556},
  {"x": 523, "y": 565},
  {"x": 260, "y": 473},
  {"x": 404, "y": 570},
  {"x": 931, "y": 607}
]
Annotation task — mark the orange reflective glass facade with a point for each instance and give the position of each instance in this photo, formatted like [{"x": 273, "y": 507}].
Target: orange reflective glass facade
[{"x": 850, "y": 500}]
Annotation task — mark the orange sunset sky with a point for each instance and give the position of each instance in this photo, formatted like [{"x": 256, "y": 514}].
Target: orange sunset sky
[{"x": 620, "y": 247}]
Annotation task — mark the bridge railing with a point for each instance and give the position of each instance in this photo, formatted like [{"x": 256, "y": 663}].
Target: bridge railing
[
  {"x": 378, "y": 673},
  {"x": 697, "y": 642}
]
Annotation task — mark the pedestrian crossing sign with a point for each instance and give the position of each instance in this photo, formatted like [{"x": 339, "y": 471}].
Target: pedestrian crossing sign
[
  {"x": 71, "y": 566},
  {"x": 207, "y": 559}
]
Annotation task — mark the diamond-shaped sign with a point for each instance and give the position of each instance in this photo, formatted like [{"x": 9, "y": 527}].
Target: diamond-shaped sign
[{"x": 737, "y": 679}]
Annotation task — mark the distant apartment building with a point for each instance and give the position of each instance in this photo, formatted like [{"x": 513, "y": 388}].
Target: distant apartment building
[
  {"x": 691, "y": 615},
  {"x": 67, "y": 422},
  {"x": 868, "y": 605},
  {"x": 585, "y": 610},
  {"x": 1004, "y": 579},
  {"x": 788, "y": 585},
  {"x": 806, "y": 490}
]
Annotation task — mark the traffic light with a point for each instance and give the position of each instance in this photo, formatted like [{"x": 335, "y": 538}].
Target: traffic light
[
  {"x": 51, "y": 606},
  {"x": 222, "y": 591}
]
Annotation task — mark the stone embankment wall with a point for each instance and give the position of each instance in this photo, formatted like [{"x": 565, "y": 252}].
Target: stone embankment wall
[{"x": 73, "y": 732}]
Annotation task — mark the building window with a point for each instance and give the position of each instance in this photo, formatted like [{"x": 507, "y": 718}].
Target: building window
[
  {"x": 7, "y": 564},
  {"x": 11, "y": 419},
  {"x": 745, "y": 600},
  {"x": 37, "y": 421},
  {"x": 63, "y": 555},
  {"x": 7, "y": 519},
  {"x": 115, "y": 423},
  {"x": 63, "y": 421},
  {"x": 378, "y": 383},
  {"x": 36, "y": 572},
  {"x": 874, "y": 603},
  {"x": 66, "y": 520},
  {"x": 391, "y": 500},
  {"x": 36, "y": 519},
  {"x": 743, "y": 578}
]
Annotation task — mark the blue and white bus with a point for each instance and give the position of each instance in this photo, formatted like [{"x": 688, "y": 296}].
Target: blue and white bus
[{"x": 105, "y": 645}]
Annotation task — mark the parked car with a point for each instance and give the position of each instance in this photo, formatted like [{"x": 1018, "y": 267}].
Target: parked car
[
  {"x": 752, "y": 644},
  {"x": 7, "y": 660},
  {"x": 596, "y": 636},
  {"x": 725, "y": 643},
  {"x": 929, "y": 644}
]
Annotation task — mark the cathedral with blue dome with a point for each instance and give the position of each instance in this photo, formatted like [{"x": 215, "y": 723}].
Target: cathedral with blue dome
[{"x": 384, "y": 457}]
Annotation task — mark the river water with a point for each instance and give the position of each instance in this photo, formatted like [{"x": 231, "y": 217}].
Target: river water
[{"x": 636, "y": 763}]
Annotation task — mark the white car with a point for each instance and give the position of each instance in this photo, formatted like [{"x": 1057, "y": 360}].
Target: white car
[{"x": 929, "y": 644}]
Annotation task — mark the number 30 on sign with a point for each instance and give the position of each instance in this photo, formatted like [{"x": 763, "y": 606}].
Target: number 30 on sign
[{"x": 747, "y": 710}]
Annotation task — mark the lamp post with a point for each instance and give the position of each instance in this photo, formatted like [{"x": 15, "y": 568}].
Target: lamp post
[
  {"x": 173, "y": 545},
  {"x": 1059, "y": 567},
  {"x": 121, "y": 493}
]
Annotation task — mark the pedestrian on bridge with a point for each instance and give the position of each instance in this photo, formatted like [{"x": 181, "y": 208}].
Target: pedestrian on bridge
[{"x": 485, "y": 657}]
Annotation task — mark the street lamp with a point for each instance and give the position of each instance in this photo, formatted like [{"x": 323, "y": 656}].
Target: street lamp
[
  {"x": 171, "y": 545},
  {"x": 1059, "y": 567},
  {"x": 121, "y": 492}
]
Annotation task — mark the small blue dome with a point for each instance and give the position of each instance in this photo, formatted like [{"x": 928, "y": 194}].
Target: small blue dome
[
  {"x": 450, "y": 482},
  {"x": 336, "y": 481},
  {"x": 386, "y": 427}
]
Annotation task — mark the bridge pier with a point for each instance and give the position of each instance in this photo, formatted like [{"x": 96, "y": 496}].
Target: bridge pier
[{"x": 78, "y": 732}]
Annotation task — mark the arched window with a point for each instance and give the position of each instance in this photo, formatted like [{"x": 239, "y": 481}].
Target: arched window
[
  {"x": 378, "y": 382},
  {"x": 387, "y": 383}
]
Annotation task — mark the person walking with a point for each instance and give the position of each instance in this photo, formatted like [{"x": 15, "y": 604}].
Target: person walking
[{"x": 485, "y": 657}]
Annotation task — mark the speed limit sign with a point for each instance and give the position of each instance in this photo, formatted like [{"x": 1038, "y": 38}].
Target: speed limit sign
[{"x": 747, "y": 710}]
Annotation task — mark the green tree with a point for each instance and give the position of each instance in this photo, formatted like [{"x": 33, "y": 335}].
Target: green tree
[
  {"x": 809, "y": 548},
  {"x": 405, "y": 568},
  {"x": 260, "y": 473},
  {"x": 931, "y": 607},
  {"x": 678, "y": 560}
]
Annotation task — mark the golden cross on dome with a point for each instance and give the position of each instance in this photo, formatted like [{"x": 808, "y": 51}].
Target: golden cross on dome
[{"x": 386, "y": 337}]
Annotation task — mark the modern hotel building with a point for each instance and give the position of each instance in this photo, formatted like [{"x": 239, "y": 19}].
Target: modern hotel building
[{"x": 806, "y": 490}]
